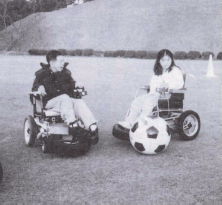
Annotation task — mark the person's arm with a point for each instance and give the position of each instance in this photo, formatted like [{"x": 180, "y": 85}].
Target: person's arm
[
  {"x": 177, "y": 81},
  {"x": 37, "y": 82},
  {"x": 155, "y": 83},
  {"x": 70, "y": 82}
]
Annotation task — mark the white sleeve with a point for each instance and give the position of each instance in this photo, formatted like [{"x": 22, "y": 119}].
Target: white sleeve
[
  {"x": 178, "y": 81},
  {"x": 155, "y": 82}
]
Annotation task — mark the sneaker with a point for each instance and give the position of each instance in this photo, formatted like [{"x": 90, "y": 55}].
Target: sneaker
[
  {"x": 73, "y": 127},
  {"x": 124, "y": 124},
  {"x": 93, "y": 127},
  {"x": 74, "y": 124}
]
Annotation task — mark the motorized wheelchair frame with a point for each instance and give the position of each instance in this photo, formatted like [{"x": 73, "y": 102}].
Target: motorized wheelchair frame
[
  {"x": 48, "y": 127},
  {"x": 170, "y": 108}
]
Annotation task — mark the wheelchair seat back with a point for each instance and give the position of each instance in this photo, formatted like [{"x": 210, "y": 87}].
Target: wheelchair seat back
[
  {"x": 175, "y": 101},
  {"x": 40, "y": 111}
]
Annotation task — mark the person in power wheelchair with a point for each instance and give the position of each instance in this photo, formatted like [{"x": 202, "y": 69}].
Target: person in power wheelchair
[
  {"x": 62, "y": 112},
  {"x": 164, "y": 98}
]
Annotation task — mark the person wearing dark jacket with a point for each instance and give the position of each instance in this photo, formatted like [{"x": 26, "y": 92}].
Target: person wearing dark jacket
[{"x": 55, "y": 83}]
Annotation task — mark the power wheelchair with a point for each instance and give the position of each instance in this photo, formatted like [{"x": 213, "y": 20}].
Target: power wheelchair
[
  {"x": 50, "y": 130},
  {"x": 170, "y": 107}
]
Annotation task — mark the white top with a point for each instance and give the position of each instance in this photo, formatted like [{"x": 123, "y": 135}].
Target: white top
[{"x": 172, "y": 80}]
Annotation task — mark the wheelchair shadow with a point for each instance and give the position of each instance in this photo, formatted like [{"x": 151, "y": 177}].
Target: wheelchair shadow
[
  {"x": 176, "y": 137},
  {"x": 62, "y": 152}
]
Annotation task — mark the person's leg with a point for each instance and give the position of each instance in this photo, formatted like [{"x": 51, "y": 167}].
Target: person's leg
[
  {"x": 149, "y": 103},
  {"x": 63, "y": 104},
  {"x": 133, "y": 112},
  {"x": 142, "y": 105},
  {"x": 54, "y": 104},
  {"x": 83, "y": 113}
]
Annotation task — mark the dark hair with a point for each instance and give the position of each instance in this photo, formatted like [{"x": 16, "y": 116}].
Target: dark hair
[
  {"x": 52, "y": 55},
  {"x": 158, "y": 70}
]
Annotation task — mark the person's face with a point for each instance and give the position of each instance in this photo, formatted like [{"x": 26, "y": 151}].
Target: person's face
[
  {"x": 57, "y": 64},
  {"x": 165, "y": 62}
]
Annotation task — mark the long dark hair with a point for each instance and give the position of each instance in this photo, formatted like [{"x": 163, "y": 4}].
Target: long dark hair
[{"x": 158, "y": 70}]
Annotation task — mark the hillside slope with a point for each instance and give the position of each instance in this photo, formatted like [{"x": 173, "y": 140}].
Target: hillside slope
[{"x": 117, "y": 24}]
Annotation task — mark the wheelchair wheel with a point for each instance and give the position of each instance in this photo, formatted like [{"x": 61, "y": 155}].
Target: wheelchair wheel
[
  {"x": 84, "y": 142},
  {"x": 84, "y": 147},
  {"x": 47, "y": 144},
  {"x": 30, "y": 131},
  {"x": 1, "y": 172},
  {"x": 189, "y": 125}
]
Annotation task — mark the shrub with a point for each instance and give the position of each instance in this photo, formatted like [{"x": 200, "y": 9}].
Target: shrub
[
  {"x": 122, "y": 53},
  {"x": 63, "y": 51},
  {"x": 194, "y": 55},
  {"x": 87, "y": 52},
  {"x": 206, "y": 54},
  {"x": 119, "y": 53},
  {"x": 115, "y": 54},
  {"x": 108, "y": 54},
  {"x": 219, "y": 56},
  {"x": 130, "y": 54},
  {"x": 98, "y": 53},
  {"x": 71, "y": 52},
  {"x": 37, "y": 52},
  {"x": 151, "y": 54},
  {"x": 180, "y": 55},
  {"x": 78, "y": 52},
  {"x": 140, "y": 54}
]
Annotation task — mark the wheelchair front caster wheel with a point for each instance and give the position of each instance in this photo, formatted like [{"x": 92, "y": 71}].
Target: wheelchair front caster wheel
[
  {"x": 46, "y": 145},
  {"x": 189, "y": 125},
  {"x": 30, "y": 131}
]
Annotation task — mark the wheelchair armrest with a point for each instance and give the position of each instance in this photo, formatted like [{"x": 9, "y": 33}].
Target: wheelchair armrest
[
  {"x": 36, "y": 99},
  {"x": 182, "y": 90},
  {"x": 36, "y": 94},
  {"x": 146, "y": 87}
]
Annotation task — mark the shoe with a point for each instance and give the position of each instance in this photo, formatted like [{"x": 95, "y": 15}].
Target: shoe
[
  {"x": 94, "y": 134},
  {"x": 73, "y": 127},
  {"x": 124, "y": 124},
  {"x": 74, "y": 123}
]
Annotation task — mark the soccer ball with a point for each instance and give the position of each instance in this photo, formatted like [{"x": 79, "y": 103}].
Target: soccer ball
[{"x": 150, "y": 135}]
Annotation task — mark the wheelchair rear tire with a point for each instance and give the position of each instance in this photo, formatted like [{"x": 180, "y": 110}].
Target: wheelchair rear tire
[
  {"x": 30, "y": 131},
  {"x": 189, "y": 125}
]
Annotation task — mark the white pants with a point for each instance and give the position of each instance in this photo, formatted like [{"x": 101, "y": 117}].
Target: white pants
[
  {"x": 141, "y": 106},
  {"x": 71, "y": 109}
]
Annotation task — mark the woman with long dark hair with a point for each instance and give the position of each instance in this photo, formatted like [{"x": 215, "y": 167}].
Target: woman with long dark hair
[{"x": 166, "y": 75}]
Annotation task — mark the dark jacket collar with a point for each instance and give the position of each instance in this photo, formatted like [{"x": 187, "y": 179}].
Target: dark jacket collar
[{"x": 47, "y": 66}]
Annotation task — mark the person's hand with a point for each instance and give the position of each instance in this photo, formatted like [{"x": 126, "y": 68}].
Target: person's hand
[
  {"x": 79, "y": 85},
  {"x": 41, "y": 90},
  {"x": 162, "y": 90},
  {"x": 164, "y": 85}
]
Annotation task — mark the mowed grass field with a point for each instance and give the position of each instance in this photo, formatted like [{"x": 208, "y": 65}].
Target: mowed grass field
[{"x": 111, "y": 172}]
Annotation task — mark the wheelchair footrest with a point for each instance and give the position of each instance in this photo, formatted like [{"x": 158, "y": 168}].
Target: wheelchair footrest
[{"x": 120, "y": 132}]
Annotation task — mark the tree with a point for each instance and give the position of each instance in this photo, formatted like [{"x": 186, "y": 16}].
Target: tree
[{"x": 4, "y": 17}]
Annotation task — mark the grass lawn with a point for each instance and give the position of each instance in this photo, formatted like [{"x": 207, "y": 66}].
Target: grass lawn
[{"x": 111, "y": 172}]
